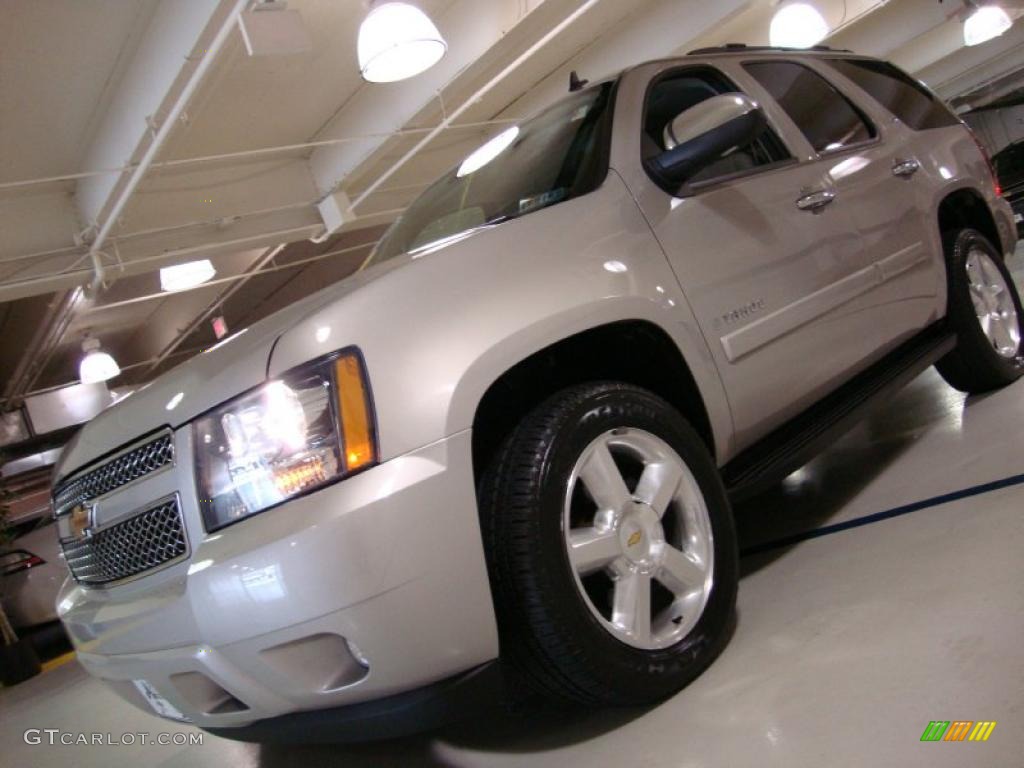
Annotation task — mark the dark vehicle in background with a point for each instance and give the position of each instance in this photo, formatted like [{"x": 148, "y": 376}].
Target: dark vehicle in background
[
  {"x": 1009, "y": 164},
  {"x": 31, "y": 567},
  {"x": 31, "y": 573}
]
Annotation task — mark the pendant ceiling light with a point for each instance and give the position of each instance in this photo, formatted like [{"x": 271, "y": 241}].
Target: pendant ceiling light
[
  {"x": 187, "y": 275},
  {"x": 97, "y": 365},
  {"x": 985, "y": 23},
  {"x": 797, "y": 25},
  {"x": 396, "y": 41}
]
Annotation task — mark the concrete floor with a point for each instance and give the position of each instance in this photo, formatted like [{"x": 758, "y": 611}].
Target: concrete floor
[{"x": 855, "y": 628}]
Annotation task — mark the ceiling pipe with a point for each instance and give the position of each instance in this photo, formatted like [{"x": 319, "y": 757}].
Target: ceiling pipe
[
  {"x": 851, "y": 19},
  {"x": 159, "y": 138},
  {"x": 550, "y": 35},
  {"x": 217, "y": 221},
  {"x": 244, "y": 154}
]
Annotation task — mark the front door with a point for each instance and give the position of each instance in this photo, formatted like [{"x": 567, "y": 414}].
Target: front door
[{"x": 768, "y": 256}]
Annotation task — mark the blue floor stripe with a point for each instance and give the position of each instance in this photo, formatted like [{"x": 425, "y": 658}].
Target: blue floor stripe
[{"x": 906, "y": 509}]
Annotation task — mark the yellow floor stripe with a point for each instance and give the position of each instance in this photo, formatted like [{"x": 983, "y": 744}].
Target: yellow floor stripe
[{"x": 59, "y": 661}]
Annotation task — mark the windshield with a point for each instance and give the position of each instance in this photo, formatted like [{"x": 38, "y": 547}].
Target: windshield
[{"x": 557, "y": 155}]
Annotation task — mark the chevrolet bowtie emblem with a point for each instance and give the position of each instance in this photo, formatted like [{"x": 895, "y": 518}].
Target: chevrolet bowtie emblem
[{"x": 82, "y": 521}]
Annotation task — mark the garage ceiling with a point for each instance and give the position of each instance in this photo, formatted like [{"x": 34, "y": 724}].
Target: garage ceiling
[{"x": 87, "y": 85}]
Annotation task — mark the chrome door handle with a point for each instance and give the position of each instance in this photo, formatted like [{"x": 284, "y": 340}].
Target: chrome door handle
[
  {"x": 815, "y": 201},
  {"x": 905, "y": 168}
]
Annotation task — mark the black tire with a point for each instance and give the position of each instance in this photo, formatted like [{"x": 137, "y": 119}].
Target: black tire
[
  {"x": 974, "y": 366},
  {"x": 550, "y": 640}
]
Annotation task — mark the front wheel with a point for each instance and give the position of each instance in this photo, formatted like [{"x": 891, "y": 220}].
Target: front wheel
[
  {"x": 611, "y": 548},
  {"x": 985, "y": 312}
]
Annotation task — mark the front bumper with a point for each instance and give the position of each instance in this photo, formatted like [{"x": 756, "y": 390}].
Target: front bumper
[
  {"x": 260, "y": 621},
  {"x": 469, "y": 694}
]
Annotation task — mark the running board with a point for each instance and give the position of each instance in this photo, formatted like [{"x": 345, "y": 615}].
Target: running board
[{"x": 798, "y": 441}]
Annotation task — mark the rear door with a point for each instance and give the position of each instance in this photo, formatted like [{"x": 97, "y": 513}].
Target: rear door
[
  {"x": 878, "y": 171},
  {"x": 766, "y": 255}
]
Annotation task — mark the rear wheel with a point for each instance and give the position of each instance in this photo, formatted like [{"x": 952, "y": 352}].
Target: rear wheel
[
  {"x": 985, "y": 312},
  {"x": 611, "y": 548}
]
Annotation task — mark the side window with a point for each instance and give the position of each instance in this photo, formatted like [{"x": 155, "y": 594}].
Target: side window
[
  {"x": 823, "y": 114},
  {"x": 906, "y": 98},
  {"x": 674, "y": 94}
]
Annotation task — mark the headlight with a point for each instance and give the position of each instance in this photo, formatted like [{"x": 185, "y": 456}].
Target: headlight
[{"x": 312, "y": 426}]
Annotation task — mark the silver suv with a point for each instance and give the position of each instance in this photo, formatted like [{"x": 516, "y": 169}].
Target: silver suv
[{"x": 502, "y": 455}]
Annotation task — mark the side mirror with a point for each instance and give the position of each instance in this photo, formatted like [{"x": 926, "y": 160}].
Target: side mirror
[{"x": 705, "y": 133}]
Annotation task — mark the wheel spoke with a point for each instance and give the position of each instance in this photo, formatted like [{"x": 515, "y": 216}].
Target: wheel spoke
[
  {"x": 658, "y": 485},
  {"x": 1006, "y": 306},
  {"x": 591, "y": 549},
  {"x": 631, "y": 605},
  {"x": 602, "y": 479},
  {"x": 978, "y": 299},
  {"x": 993, "y": 280},
  {"x": 975, "y": 274},
  {"x": 1001, "y": 335},
  {"x": 680, "y": 573}
]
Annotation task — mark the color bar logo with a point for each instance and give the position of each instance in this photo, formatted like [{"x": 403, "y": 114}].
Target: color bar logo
[{"x": 958, "y": 730}]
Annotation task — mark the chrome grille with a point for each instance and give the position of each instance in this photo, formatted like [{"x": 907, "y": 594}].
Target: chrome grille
[
  {"x": 149, "y": 539},
  {"x": 115, "y": 473}
]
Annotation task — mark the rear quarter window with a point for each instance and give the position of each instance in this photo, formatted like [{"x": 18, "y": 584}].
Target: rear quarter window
[{"x": 907, "y": 99}]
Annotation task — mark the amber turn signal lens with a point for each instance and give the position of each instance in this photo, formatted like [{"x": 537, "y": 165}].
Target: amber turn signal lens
[{"x": 356, "y": 421}]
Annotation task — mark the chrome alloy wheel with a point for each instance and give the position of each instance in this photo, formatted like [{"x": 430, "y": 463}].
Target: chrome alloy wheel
[
  {"x": 993, "y": 303},
  {"x": 639, "y": 539}
]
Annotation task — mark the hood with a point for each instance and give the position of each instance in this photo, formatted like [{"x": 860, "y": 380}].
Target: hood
[{"x": 215, "y": 375}]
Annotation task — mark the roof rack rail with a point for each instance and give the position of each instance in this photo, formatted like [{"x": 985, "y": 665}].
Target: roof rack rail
[{"x": 735, "y": 47}]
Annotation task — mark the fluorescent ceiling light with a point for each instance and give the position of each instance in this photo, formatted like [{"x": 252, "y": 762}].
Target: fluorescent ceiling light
[
  {"x": 187, "y": 275},
  {"x": 97, "y": 365},
  {"x": 482, "y": 156},
  {"x": 396, "y": 41},
  {"x": 986, "y": 23},
  {"x": 798, "y": 25}
]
